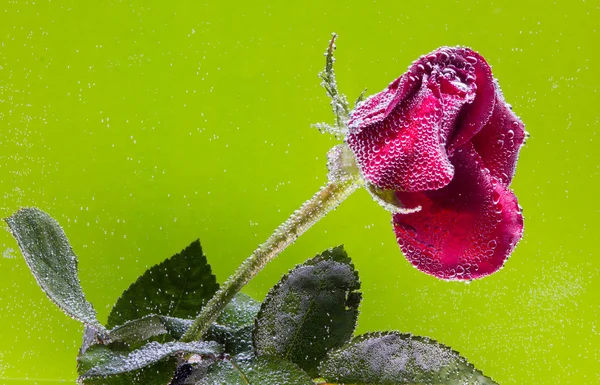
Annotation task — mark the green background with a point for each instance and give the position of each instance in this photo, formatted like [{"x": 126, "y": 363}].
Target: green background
[{"x": 143, "y": 125}]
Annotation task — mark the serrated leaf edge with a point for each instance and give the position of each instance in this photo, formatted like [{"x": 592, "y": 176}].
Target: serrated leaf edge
[
  {"x": 424, "y": 339},
  {"x": 328, "y": 254},
  {"x": 157, "y": 265}
]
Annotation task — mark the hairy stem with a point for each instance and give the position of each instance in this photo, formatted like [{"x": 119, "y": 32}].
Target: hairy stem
[{"x": 325, "y": 200}]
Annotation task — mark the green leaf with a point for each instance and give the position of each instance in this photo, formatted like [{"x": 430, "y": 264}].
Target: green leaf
[
  {"x": 52, "y": 261},
  {"x": 159, "y": 373},
  {"x": 256, "y": 371},
  {"x": 102, "y": 363},
  {"x": 240, "y": 312},
  {"x": 177, "y": 287},
  {"x": 396, "y": 358},
  {"x": 234, "y": 341},
  {"x": 138, "y": 332},
  {"x": 191, "y": 373},
  {"x": 234, "y": 326},
  {"x": 310, "y": 311}
]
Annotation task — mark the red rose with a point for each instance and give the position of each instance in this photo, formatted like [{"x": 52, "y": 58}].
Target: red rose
[{"x": 443, "y": 138}]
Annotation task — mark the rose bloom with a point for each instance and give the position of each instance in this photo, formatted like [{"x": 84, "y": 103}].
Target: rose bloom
[{"x": 443, "y": 138}]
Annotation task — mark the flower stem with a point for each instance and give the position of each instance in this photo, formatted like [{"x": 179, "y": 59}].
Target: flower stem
[{"x": 325, "y": 200}]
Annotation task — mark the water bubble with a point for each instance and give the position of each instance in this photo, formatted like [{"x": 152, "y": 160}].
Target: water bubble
[
  {"x": 471, "y": 60},
  {"x": 8, "y": 253},
  {"x": 495, "y": 197}
]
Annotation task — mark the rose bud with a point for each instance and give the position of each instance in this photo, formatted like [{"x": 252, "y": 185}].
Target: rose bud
[{"x": 441, "y": 137}]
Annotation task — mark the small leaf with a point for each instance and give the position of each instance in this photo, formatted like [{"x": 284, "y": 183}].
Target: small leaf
[
  {"x": 159, "y": 373},
  {"x": 239, "y": 312},
  {"x": 397, "y": 358},
  {"x": 310, "y": 311},
  {"x": 138, "y": 332},
  {"x": 177, "y": 287},
  {"x": 234, "y": 341},
  {"x": 52, "y": 261},
  {"x": 234, "y": 326},
  {"x": 256, "y": 371},
  {"x": 104, "y": 362}
]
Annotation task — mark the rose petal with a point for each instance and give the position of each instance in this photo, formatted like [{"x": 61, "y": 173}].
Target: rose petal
[
  {"x": 500, "y": 140},
  {"x": 377, "y": 107},
  {"x": 479, "y": 112},
  {"x": 465, "y": 230},
  {"x": 406, "y": 151},
  {"x": 400, "y": 142}
]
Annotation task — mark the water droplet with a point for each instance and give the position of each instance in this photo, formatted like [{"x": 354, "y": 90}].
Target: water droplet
[{"x": 495, "y": 197}]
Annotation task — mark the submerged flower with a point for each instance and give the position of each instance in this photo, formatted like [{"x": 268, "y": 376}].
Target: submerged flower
[{"x": 441, "y": 137}]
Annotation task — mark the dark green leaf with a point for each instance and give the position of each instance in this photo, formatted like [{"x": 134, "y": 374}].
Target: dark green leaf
[
  {"x": 257, "y": 371},
  {"x": 96, "y": 354},
  {"x": 310, "y": 311},
  {"x": 52, "y": 261},
  {"x": 234, "y": 327},
  {"x": 100, "y": 362},
  {"x": 138, "y": 332},
  {"x": 395, "y": 358},
  {"x": 191, "y": 373},
  {"x": 159, "y": 373},
  {"x": 177, "y": 287},
  {"x": 234, "y": 341},
  {"x": 240, "y": 312}
]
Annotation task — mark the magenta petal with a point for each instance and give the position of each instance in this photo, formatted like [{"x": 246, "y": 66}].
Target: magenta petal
[
  {"x": 479, "y": 112},
  {"x": 400, "y": 135},
  {"x": 500, "y": 140},
  {"x": 456, "y": 59},
  {"x": 377, "y": 107},
  {"x": 406, "y": 151},
  {"x": 465, "y": 230}
]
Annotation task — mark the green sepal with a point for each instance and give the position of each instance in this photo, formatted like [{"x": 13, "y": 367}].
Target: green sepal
[{"x": 339, "y": 102}]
